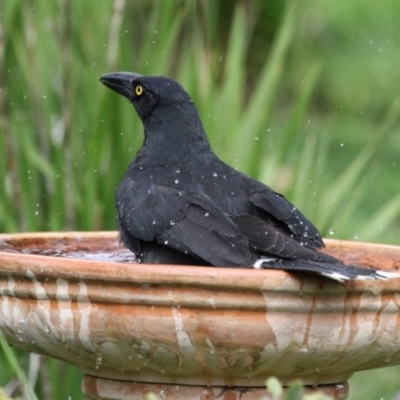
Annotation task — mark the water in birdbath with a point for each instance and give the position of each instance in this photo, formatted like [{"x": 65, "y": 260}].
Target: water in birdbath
[{"x": 100, "y": 249}]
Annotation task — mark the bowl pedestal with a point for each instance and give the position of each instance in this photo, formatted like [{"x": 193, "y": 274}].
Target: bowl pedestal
[{"x": 109, "y": 389}]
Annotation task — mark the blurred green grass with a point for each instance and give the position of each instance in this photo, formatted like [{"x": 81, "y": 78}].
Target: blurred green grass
[{"x": 303, "y": 96}]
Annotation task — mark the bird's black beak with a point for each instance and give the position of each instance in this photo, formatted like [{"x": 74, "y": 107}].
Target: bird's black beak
[{"x": 121, "y": 82}]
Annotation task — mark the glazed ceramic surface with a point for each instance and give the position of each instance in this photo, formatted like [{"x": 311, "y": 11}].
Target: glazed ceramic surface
[{"x": 62, "y": 295}]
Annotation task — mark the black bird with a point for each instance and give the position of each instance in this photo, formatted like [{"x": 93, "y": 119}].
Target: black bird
[{"x": 179, "y": 203}]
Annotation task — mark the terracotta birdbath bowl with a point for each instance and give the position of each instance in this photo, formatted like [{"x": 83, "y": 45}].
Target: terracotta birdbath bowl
[{"x": 194, "y": 332}]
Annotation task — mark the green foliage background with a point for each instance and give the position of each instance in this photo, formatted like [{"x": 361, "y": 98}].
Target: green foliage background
[{"x": 302, "y": 95}]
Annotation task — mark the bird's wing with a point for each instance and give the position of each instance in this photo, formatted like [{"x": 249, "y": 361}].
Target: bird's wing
[
  {"x": 268, "y": 240},
  {"x": 188, "y": 222},
  {"x": 288, "y": 218}
]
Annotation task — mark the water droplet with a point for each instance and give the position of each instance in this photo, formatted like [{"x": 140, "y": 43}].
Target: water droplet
[
  {"x": 215, "y": 174},
  {"x": 356, "y": 236},
  {"x": 172, "y": 222},
  {"x": 206, "y": 214},
  {"x": 176, "y": 181},
  {"x": 331, "y": 231},
  {"x": 341, "y": 144},
  {"x": 166, "y": 242}
]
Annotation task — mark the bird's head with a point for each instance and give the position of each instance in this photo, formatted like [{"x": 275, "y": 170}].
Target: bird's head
[
  {"x": 146, "y": 92},
  {"x": 172, "y": 125}
]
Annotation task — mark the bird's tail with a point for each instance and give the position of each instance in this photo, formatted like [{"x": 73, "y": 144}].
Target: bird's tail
[{"x": 338, "y": 272}]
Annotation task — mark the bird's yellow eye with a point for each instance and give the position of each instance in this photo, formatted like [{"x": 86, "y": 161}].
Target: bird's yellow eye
[{"x": 139, "y": 90}]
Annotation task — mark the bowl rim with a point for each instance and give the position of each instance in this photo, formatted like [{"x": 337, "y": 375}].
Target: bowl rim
[{"x": 15, "y": 264}]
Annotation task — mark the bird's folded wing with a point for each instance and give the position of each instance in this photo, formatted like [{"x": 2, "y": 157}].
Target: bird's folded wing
[
  {"x": 289, "y": 219},
  {"x": 188, "y": 222},
  {"x": 268, "y": 240}
]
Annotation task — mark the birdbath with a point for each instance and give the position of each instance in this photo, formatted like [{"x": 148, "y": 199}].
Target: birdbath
[{"x": 194, "y": 332}]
